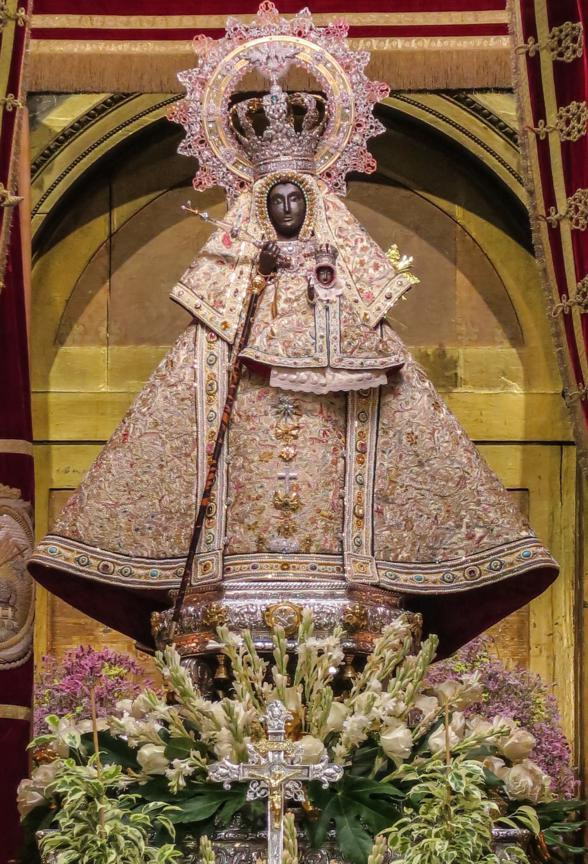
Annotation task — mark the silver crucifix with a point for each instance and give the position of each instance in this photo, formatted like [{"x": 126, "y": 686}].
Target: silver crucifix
[{"x": 274, "y": 772}]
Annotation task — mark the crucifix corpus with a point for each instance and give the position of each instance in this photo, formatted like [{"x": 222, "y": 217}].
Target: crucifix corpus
[{"x": 276, "y": 773}]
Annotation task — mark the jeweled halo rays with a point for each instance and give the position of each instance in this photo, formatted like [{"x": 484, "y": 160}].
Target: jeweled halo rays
[{"x": 270, "y": 44}]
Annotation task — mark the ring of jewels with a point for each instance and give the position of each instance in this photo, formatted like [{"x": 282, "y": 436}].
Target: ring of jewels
[{"x": 315, "y": 60}]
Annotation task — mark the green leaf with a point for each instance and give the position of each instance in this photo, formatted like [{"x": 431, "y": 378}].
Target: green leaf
[
  {"x": 230, "y": 807},
  {"x": 206, "y": 803},
  {"x": 363, "y": 760},
  {"x": 359, "y": 808},
  {"x": 566, "y": 827},
  {"x": 353, "y": 841},
  {"x": 113, "y": 751},
  {"x": 180, "y": 747},
  {"x": 525, "y": 816}
]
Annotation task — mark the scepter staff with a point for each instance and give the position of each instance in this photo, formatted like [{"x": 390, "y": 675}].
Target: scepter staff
[
  {"x": 235, "y": 232},
  {"x": 256, "y": 287}
]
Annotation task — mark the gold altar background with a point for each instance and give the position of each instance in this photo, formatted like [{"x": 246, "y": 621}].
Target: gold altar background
[{"x": 110, "y": 240}]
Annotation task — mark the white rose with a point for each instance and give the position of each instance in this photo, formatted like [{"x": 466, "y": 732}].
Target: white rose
[
  {"x": 32, "y": 792},
  {"x": 439, "y": 740},
  {"x": 518, "y": 745},
  {"x": 480, "y": 727},
  {"x": 503, "y": 725},
  {"x": 28, "y": 797},
  {"x": 458, "y": 724},
  {"x": 123, "y": 706},
  {"x": 85, "y": 726},
  {"x": 429, "y": 705},
  {"x": 471, "y": 690},
  {"x": 526, "y": 781},
  {"x": 495, "y": 766},
  {"x": 459, "y": 694},
  {"x": 446, "y": 691},
  {"x": 312, "y": 749},
  {"x": 151, "y": 758},
  {"x": 337, "y": 714},
  {"x": 45, "y": 774},
  {"x": 396, "y": 741}
]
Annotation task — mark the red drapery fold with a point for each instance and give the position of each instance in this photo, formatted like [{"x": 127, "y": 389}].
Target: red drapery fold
[
  {"x": 551, "y": 80},
  {"x": 16, "y": 452}
]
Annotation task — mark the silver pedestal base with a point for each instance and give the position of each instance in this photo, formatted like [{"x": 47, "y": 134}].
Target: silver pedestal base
[{"x": 261, "y": 605}]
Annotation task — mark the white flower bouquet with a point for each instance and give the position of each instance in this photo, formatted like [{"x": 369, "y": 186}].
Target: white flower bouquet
[{"x": 399, "y": 741}]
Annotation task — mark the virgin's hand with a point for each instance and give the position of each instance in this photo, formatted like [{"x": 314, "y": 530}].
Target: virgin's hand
[{"x": 268, "y": 258}]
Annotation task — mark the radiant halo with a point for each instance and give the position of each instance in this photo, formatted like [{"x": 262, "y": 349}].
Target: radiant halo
[{"x": 270, "y": 45}]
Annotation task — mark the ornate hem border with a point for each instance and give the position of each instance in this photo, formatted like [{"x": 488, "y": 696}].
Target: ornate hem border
[
  {"x": 460, "y": 574},
  {"x": 457, "y": 574}
]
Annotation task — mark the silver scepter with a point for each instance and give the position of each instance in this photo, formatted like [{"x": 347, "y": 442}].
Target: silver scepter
[{"x": 235, "y": 232}]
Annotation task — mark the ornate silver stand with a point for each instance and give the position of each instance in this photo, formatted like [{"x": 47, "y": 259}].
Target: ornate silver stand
[
  {"x": 278, "y": 599},
  {"x": 238, "y": 846}
]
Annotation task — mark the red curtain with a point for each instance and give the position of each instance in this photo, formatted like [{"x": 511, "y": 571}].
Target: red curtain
[
  {"x": 551, "y": 80},
  {"x": 16, "y": 455}
]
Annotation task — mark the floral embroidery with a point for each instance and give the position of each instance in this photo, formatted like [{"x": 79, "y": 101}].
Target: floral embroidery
[
  {"x": 139, "y": 496},
  {"x": 265, "y": 505},
  {"x": 435, "y": 498}
]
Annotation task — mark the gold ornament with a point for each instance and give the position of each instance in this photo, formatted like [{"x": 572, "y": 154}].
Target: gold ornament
[
  {"x": 355, "y": 617},
  {"x": 576, "y": 212},
  {"x": 214, "y": 615},
  {"x": 565, "y": 43},
  {"x": 287, "y": 502},
  {"x": 285, "y": 615},
  {"x": 571, "y": 123}
]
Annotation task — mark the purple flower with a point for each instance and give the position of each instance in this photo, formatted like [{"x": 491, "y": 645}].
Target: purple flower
[
  {"x": 64, "y": 687},
  {"x": 521, "y": 695}
]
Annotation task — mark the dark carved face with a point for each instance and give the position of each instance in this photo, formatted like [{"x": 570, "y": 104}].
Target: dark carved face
[
  {"x": 286, "y": 208},
  {"x": 325, "y": 274}
]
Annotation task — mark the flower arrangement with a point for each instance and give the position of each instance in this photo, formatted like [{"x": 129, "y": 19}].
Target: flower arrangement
[{"x": 412, "y": 752}]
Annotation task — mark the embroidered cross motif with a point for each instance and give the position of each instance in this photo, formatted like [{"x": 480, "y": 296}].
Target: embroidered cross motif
[{"x": 287, "y": 475}]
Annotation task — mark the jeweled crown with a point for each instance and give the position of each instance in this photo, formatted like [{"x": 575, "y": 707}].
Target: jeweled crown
[{"x": 280, "y": 131}]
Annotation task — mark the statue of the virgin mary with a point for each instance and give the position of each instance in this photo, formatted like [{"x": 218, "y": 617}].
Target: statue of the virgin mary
[{"x": 342, "y": 474}]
